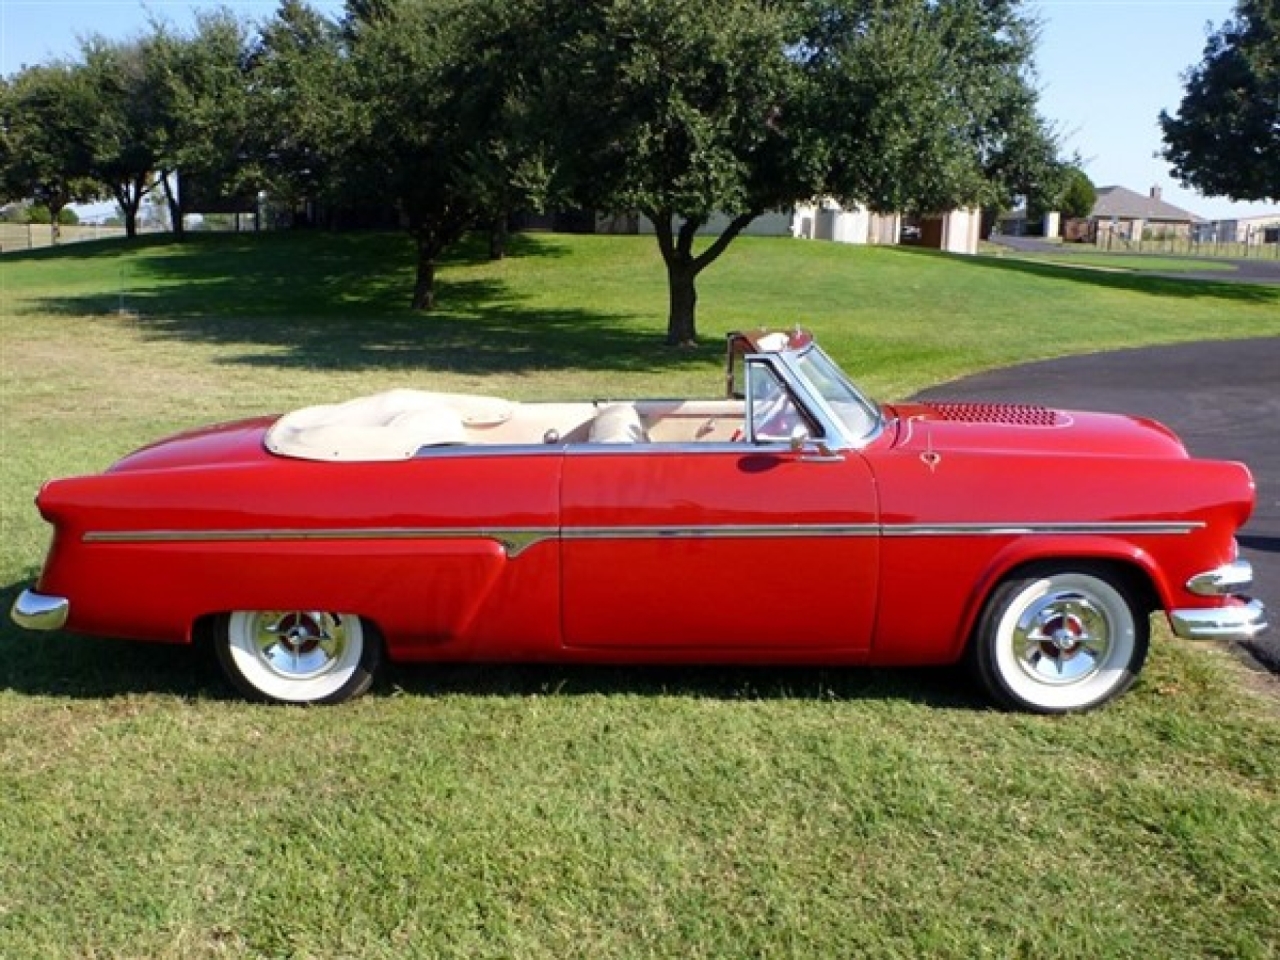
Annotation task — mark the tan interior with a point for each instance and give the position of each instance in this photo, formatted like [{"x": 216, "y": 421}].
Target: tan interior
[{"x": 395, "y": 425}]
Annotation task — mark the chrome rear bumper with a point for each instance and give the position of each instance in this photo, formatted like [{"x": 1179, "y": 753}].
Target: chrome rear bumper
[
  {"x": 1243, "y": 620},
  {"x": 35, "y": 611}
]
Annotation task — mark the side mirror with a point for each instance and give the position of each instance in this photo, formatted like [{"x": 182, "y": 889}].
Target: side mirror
[{"x": 808, "y": 449}]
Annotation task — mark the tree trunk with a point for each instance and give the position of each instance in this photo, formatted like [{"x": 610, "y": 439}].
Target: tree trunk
[
  {"x": 129, "y": 209},
  {"x": 174, "y": 199},
  {"x": 129, "y": 196},
  {"x": 498, "y": 237},
  {"x": 424, "y": 288},
  {"x": 682, "y": 324}
]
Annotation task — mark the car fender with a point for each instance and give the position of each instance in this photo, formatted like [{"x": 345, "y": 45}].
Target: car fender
[{"x": 1058, "y": 549}]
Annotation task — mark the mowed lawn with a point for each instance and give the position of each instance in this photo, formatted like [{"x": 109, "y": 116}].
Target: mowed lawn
[{"x": 553, "y": 812}]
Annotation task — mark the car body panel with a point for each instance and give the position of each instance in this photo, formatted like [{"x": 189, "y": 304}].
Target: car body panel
[
  {"x": 726, "y": 537},
  {"x": 863, "y": 534}
]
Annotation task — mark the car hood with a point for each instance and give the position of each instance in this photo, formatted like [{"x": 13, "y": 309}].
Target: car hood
[
  {"x": 1024, "y": 428},
  {"x": 220, "y": 445}
]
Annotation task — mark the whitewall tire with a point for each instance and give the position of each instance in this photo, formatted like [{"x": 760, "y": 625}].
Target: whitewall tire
[
  {"x": 297, "y": 656},
  {"x": 1060, "y": 639}
]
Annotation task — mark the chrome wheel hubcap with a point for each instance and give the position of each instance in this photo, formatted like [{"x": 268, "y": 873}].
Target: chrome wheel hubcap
[
  {"x": 1062, "y": 638},
  {"x": 299, "y": 645}
]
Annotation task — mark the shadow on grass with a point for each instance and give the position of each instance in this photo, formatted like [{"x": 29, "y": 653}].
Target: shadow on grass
[
  {"x": 92, "y": 668},
  {"x": 938, "y": 687},
  {"x": 82, "y": 668},
  {"x": 1185, "y": 288},
  {"x": 340, "y": 302}
]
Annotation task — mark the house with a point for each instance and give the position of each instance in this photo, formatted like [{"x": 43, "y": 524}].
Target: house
[
  {"x": 955, "y": 231},
  {"x": 1251, "y": 231},
  {"x": 1123, "y": 214}
]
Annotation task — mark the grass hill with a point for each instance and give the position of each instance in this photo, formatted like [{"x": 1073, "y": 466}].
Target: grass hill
[{"x": 554, "y": 812}]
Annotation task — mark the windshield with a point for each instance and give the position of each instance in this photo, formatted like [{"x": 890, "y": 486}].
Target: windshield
[{"x": 858, "y": 415}]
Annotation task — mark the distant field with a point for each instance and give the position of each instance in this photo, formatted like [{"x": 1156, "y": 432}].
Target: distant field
[
  {"x": 558, "y": 812},
  {"x": 22, "y": 236}
]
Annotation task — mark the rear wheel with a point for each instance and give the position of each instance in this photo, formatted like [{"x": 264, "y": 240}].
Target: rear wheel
[
  {"x": 1060, "y": 639},
  {"x": 297, "y": 656}
]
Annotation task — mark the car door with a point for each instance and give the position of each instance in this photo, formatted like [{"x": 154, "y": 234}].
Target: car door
[{"x": 713, "y": 548}]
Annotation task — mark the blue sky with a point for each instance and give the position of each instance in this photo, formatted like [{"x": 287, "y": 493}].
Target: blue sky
[{"x": 1106, "y": 69}]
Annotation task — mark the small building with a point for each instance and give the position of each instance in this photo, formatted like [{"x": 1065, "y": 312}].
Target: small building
[
  {"x": 1123, "y": 214},
  {"x": 827, "y": 220},
  {"x": 1251, "y": 231},
  {"x": 955, "y": 231}
]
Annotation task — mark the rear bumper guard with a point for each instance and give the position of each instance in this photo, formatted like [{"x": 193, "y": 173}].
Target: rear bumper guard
[{"x": 35, "y": 611}]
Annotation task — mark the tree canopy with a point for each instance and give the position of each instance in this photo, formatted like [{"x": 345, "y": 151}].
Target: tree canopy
[
  {"x": 1078, "y": 196},
  {"x": 681, "y": 111},
  {"x": 44, "y": 155},
  {"x": 1225, "y": 138},
  {"x": 453, "y": 114}
]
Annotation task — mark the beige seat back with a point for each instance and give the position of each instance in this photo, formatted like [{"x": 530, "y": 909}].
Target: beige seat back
[{"x": 618, "y": 423}]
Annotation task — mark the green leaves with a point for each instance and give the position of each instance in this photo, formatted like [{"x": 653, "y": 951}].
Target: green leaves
[
  {"x": 1225, "y": 138},
  {"x": 46, "y": 155}
]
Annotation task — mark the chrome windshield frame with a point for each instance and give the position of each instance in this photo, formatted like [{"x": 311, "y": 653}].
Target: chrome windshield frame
[{"x": 787, "y": 364}]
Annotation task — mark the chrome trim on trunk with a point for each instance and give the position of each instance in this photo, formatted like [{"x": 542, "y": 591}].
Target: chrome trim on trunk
[{"x": 35, "y": 611}]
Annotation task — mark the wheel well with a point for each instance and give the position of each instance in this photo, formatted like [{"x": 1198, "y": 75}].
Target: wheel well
[
  {"x": 1136, "y": 581},
  {"x": 202, "y": 629}
]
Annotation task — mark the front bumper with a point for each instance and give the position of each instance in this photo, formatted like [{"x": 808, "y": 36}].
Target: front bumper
[
  {"x": 1243, "y": 620},
  {"x": 35, "y": 611}
]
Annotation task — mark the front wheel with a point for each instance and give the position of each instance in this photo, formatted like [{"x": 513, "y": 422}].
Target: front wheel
[
  {"x": 1057, "y": 640},
  {"x": 297, "y": 656}
]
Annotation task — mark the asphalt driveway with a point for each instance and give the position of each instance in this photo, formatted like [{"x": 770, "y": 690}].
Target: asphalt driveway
[
  {"x": 1223, "y": 399},
  {"x": 1261, "y": 269}
]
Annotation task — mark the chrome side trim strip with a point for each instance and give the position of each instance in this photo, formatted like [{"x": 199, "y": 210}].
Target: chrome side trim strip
[
  {"x": 718, "y": 532},
  {"x": 514, "y": 541},
  {"x": 1152, "y": 528}
]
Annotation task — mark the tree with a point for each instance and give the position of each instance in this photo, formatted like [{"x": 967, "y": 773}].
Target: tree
[
  {"x": 123, "y": 132},
  {"x": 295, "y": 102},
  {"x": 1078, "y": 197},
  {"x": 681, "y": 111},
  {"x": 1225, "y": 138},
  {"x": 45, "y": 112},
  {"x": 421, "y": 129},
  {"x": 43, "y": 215},
  {"x": 508, "y": 167},
  {"x": 678, "y": 111},
  {"x": 198, "y": 87}
]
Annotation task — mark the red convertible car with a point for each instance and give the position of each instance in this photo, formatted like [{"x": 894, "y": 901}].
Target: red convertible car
[{"x": 793, "y": 521}]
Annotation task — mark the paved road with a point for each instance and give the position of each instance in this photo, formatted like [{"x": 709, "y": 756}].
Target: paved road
[
  {"x": 1223, "y": 399},
  {"x": 1255, "y": 270}
]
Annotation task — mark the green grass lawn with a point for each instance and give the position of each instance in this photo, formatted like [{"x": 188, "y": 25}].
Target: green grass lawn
[{"x": 571, "y": 812}]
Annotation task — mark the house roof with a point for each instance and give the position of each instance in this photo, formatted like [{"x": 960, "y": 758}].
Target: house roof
[{"x": 1124, "y": 204}]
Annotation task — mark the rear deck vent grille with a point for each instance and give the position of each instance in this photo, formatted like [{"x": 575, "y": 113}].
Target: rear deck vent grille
[{"x": 1013, "y": 414}]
